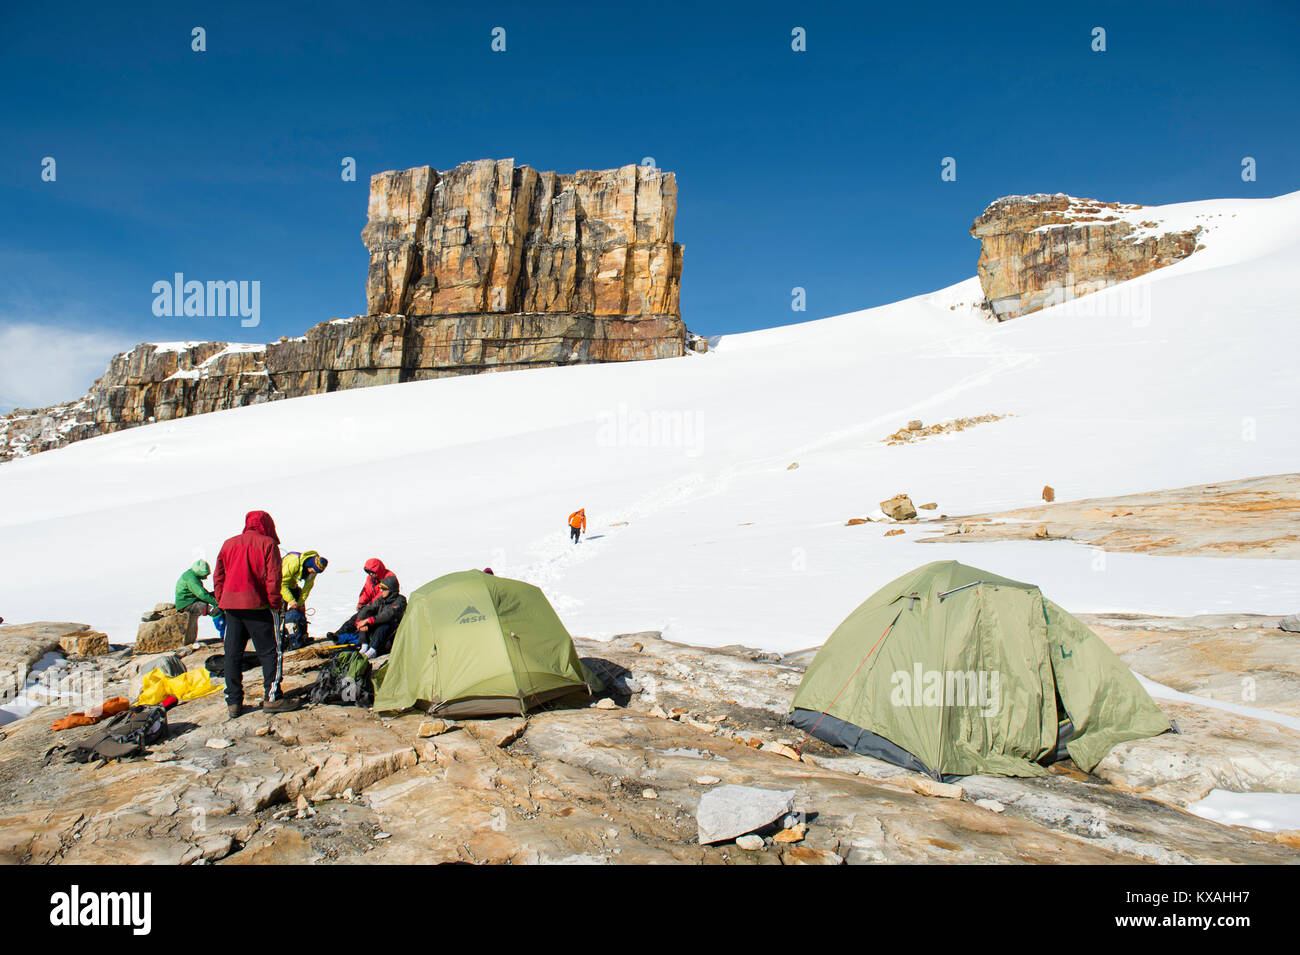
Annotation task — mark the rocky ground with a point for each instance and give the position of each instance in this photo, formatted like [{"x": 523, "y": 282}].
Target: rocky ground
[
  {"x": 619, "y": 780},
  {"x": 1252, "y": 517}
]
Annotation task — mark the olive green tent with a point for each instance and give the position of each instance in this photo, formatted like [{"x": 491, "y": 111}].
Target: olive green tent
[
  {"x": 951, "y": 670},
  {"x": 471, "y": 644}
]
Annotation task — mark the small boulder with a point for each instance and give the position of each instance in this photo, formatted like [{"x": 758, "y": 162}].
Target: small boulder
[
  {"x": 793, "y": 466},
  {"x": 750, "y": 843},
  {"x": 894, "y": 533},
  {"x": 933, "y": 505},
  {"x": 170, "y": 630},
  {"x": 915, "y": 425},
  {"x": 85, "y": 643},
  {"x": 899, "y": 507},
  {"x": 726, "y": 812},
  {"x": 605, "y": 703},
  {"x": 432, "y": 728},
  {"x": 1049, "y": 495}
]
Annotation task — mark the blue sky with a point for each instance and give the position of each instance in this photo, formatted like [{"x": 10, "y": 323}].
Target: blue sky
[{"x": 818, "y": 169}]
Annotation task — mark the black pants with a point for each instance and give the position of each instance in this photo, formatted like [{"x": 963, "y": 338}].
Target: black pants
[
  {"x": 380, "y": 637},
  {"x": 259, "y": 626},
  {"x": 574, "y": 532}
]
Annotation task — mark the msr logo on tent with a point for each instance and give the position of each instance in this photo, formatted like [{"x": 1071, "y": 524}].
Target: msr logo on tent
[{"x": 471, "y": 614}]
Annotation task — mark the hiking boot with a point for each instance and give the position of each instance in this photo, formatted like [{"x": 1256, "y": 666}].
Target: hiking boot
[
  {"x": 234, "y": 711},
  {"x": 280, "y": 705}
]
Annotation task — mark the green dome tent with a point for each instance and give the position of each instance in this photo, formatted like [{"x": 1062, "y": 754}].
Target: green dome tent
[
  {"x": 471, "y": 644},
  {"x": 950, "y": 670}
]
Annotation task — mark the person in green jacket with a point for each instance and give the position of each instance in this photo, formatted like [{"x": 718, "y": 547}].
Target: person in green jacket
[
  {"x": 297, "y": 577},
  {"x": 192, "y": 595}
]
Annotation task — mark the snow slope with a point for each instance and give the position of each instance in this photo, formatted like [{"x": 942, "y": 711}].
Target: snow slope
[{"x": 697, "y": 527}]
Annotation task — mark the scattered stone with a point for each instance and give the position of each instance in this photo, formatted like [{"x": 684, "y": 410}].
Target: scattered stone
[
  {"x": 605, "y": 703},
  {"x": 676, "y": 713},
  {"x": 899, "y": 507},
  {"x": 218, "y": 743},
  {"x": 302, "y": 804},
  {"x": 933, "y": 505},
  {"x": 793, "y": 466},
  {"x": 432, "y": 728},
  {"x": 992, "y": 805},
  {"x": 383, "y": 835},
  {"x": 262, "y": 731},
  {"x": 750, "y": 843},
  {"x": 791, "y": 835},
  {"x": 707, "y": 780},
  {"x": 930, "y": 787},
  {"x": 894, "y": 533},
  {"x": 1049, "y": 494},
  {"x": 853, "y": 521},
  {"x": 781, "y": 749},
  {"x": 1040, "y": 533},
  {"x": 87, "y": 643},
  {"x": 649, "y": 794},
  {"x": 729, "y": 811},
  {"x": 915, "y": 425},
  {"x": 801, "y": 855}
]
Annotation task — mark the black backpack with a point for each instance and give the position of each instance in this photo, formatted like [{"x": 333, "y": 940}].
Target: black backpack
[
  {"x": 124, "y": 736},
  {"x": 346, "y": 679}
]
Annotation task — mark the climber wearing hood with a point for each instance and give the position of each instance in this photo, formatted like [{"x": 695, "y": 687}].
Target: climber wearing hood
[
  {"x": 375, "y": 573},
  {"x": 192, "y": 595},
  {"x": 247, "y": 583},
  {"x": 377, "y": 621}
]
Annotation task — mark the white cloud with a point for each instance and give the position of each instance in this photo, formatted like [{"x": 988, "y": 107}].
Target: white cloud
[{"x": 42, "y": 364}]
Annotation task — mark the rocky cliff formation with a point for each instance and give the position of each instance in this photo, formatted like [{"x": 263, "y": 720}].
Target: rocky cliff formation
[
  {"x": 490, "y": 266},
  {"x": 493, "y": 237},
  {"x": 1041, "y": 250}
]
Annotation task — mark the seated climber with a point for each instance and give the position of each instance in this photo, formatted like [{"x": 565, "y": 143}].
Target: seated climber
[
  {"x": 377, "y": 622},
  {"x": 191, "y": 594},
  {"x": 297, "y": 577},
  {"x": 375, "y": 572}
]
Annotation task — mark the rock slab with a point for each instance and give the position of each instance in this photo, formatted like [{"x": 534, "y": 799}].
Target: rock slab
[{"x": 730, "y": 811}]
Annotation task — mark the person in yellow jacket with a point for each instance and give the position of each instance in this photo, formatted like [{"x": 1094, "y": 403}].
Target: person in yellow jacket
[
  {"x": 298, "y": 571},
  {"x": 578, "y": 523}
]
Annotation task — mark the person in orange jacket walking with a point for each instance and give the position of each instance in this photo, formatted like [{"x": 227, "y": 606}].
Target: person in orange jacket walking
[{"x": 577, "y": 523}]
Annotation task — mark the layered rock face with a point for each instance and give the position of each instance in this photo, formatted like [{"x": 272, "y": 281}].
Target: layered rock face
[
  {"x": 490, "y": 266},
  {"x": 1042, "y": 250},
  {"x": 494, "y": 237}
]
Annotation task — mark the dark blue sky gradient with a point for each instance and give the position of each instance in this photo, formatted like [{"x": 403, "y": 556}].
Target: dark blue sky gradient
[{"x": 816, "y": 169}]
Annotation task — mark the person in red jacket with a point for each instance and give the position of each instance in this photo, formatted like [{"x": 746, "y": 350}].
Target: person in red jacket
[
  {"x": 247, "y": 587},
  {"x": 375, "y": 574}
]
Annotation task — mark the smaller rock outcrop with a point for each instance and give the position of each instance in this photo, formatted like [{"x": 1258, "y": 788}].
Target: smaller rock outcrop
[
  {"x": 1042, "y": 250},
  {"x": 166, "y": 628}
]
